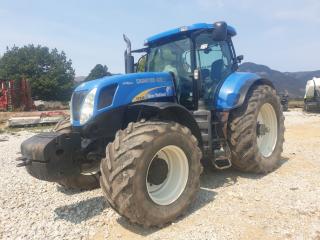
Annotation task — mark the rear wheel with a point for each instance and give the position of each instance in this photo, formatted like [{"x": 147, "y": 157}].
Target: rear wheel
[
  {"x": 89, "y": 177},
  {"x": 256, "y": 131},
  {"x": 151, "y": 172}
]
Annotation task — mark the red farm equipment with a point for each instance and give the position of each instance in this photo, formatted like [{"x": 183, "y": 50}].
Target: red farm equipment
[
  {"x": 3, "y": 96},
  {"x": 15, "y": 95}
]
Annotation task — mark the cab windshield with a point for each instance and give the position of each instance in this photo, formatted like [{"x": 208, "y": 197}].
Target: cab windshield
[
  {"x": 171, "y": 57},
  {"x": 174, "y": 57}
]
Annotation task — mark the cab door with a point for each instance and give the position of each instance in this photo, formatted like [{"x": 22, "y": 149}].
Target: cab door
[{"x": 215, "y": 63}]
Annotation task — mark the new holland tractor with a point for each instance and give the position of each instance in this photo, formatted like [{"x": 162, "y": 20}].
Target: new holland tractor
[{"x": 146, "y": 135}]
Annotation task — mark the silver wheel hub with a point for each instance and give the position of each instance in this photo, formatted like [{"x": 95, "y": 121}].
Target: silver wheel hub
[{"x": 167, "y": 175}]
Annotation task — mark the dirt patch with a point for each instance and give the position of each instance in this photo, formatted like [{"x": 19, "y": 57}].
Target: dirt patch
[
  {"x": 281, "y": 205},
  {"x": 230, "y": 205}
]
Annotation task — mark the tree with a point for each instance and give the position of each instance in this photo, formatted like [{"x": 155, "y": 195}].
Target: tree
[
  {"x": 50, "y": 73},
  {"x": 98, "y": 71}
]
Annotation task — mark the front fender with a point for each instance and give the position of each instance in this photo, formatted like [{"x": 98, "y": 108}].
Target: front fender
[
  {"x": 235, "y": 88},
  {"x": 169, "y": 111}
]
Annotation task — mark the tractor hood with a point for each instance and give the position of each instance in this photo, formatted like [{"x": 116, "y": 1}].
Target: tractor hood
[{"x": 120, "y": 90}]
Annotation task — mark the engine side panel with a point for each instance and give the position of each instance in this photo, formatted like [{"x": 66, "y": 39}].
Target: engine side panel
[{"x": 131, "y": 88}]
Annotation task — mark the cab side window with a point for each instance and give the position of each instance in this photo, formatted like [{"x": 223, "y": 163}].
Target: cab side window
[{"x": 214, "y": 60}]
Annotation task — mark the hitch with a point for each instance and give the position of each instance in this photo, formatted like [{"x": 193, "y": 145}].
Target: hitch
[{"x": 24, "y": 161}]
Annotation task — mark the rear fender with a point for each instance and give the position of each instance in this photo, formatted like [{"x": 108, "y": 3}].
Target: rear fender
[{"x": 234, "y": 90}]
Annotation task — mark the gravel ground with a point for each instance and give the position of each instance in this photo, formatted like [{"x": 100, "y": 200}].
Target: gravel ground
[{"x": 284, "y": 204}]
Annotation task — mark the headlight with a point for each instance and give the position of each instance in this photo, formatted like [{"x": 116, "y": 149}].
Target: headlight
[{"x": 87, "y": 106}]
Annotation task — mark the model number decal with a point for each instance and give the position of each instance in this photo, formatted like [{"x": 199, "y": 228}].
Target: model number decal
[{"x": 149, "y": 80}]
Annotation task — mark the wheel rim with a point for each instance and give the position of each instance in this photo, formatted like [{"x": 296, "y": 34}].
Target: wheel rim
[
  {"x": 267, "y": 130},
  {"x": 168, "y": 188}
]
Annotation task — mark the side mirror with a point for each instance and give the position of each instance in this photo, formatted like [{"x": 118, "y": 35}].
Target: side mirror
[
  {"x": 219, "y": 32},
  {"x": 240, "y": 58}
]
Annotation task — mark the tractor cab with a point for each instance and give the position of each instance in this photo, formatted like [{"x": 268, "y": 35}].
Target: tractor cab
[{"x": 199, "y": 57}]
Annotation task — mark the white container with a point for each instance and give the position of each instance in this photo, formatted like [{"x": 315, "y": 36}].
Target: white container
[{"x": 312, "y": 86}]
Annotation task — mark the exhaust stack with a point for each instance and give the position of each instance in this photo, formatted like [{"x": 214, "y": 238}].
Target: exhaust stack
[{"x": 128, "y": 58}]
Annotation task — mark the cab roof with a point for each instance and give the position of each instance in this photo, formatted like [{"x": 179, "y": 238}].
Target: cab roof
[{"x": 176, "y": 32}]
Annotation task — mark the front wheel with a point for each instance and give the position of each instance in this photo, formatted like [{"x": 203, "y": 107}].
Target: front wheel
[
  {"x": 256, "y": 131},
  {"x": 89, "y": 178},
  {"x": 151, "y": 172}
]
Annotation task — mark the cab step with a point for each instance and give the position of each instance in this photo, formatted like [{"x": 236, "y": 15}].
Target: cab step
[
  {"x": 222, "y": 158},
  {"x": 222, "y": 163}
]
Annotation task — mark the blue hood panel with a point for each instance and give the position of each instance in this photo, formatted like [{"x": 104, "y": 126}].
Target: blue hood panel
[{"x": 132, "y": 87}]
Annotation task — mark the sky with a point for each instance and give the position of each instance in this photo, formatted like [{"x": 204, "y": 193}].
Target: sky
[{"x": 284, "y": 35}]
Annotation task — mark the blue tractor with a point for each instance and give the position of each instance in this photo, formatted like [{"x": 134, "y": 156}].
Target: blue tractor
[{"x": 146, "y": 135}]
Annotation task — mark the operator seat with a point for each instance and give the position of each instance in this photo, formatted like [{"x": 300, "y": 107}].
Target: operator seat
[
  {"x": 216, "y": 75},
  {"x": 169, "y": 58},
  {"x": 217, "y": 71},
  {"x": 205, "y": 73}
]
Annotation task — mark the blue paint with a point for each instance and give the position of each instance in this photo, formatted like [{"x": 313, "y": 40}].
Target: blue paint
[
  {"x": 233, "y": 89},
  {"x": 176, "y": 32},
  {"x": 129, "y": 86}
]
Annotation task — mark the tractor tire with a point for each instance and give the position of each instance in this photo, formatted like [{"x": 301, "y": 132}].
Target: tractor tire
[
  {"x": 256, "y": 131},
  {"x": 139, "y": 178},
  {"x": 81, "y": 181}
]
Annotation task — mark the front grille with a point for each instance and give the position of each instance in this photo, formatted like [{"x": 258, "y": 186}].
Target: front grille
[{"x": 76, "y": 103}]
